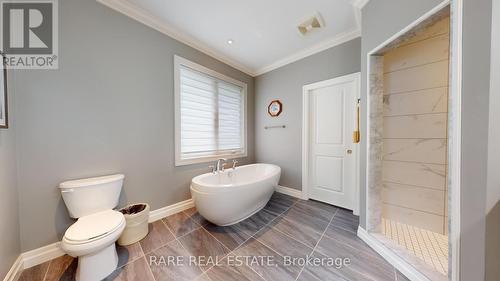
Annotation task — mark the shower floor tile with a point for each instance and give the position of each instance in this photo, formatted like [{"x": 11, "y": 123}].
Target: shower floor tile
[{"x": 429, "y": 246}]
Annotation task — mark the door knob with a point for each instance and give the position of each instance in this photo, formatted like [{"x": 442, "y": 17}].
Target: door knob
[{"x": 349, "y": 151}]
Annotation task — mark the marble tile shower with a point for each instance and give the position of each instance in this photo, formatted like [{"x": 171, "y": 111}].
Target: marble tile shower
[
  {"x": 408, "y": 146},
  {"x": 415, "y": 113}
]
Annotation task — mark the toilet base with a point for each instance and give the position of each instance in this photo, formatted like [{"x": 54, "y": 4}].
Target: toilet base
[{"x": 97, "y": 266}]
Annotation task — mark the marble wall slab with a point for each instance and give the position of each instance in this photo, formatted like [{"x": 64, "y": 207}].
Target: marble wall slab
[
  {"x": 417, "y": 102},
  {"x": 414, "y": 197},
  {"x": 432, "y": 222},
  {"x": 419, "y": 53},
  {"x": 426, "y": 76},
  {"x": 419, "y": 174},
  {"x": 375, "y": 144},
  {"x": 432, "y": 151},
  {"x": 416, "y": 126}
]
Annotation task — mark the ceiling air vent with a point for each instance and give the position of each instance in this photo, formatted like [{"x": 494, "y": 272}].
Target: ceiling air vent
[{"x": 310, "y": 24}]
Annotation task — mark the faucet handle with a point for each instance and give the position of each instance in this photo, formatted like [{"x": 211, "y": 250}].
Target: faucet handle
[{"x": 213, "y": 168}]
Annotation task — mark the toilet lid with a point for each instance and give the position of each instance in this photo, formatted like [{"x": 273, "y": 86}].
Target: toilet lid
[{"x": 94, "y": 226}]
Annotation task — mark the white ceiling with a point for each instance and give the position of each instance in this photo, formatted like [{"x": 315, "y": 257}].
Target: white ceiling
[{"x": 264, "y": 31}]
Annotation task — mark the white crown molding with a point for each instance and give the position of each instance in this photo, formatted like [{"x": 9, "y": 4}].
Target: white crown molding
[
  {"x": 359, "y": 3},
  {"x": 145, "y": 18},
  {"x": 337, "y": 40}
]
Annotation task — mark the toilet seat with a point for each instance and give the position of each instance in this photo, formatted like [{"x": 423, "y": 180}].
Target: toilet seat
[
  {"x": 92, "y": 233},
  {"x": 94, "y": 227}
]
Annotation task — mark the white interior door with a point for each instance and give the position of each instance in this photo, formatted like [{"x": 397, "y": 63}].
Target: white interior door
[{"x": 332, "y": 154}]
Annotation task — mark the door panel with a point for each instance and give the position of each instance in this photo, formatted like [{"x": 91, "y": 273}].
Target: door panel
[
  {"x": 329, "y": 173},
  {"x": 329, "y": 115},
  {"x": 332, "y": 168}
]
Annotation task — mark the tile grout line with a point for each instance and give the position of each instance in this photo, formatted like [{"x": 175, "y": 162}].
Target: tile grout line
[
  {"x": 415, "y": 66},
  {"x": 168, "y": 228},
  {"x": 435, "y": 252},
  {"x": 413, "y": 161},
  {"x": 136, "y": 259},
  {"x": 317, "y": 243},
  {"x": 349, "y": 246},
  {"x": 47, "y": 271},
  {"x": 415, "y": 91},
  {"x": 434, "y": 36},
  {"x": 291, "y": 237},
  {"x": 411, "y": 240},
  {"x": 206, "y": 230},
  {"x": 150, "y": 270},
  {"x": 412, "y": 209},
  {"x": 178, "y": 241},
  {"x": 294, "y": 222},
  {"x": 175, "y": 238},
  {"x": 200, "y": 226},
  {"x": 427, "y": 247},
  {"x": 252, "y": 236}
]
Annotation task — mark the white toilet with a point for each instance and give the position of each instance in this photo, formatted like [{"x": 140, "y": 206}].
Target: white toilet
[{"x": 92, "y": 237}]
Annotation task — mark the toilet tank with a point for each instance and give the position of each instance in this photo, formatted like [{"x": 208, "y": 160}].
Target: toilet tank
[{"x": 84, "y": 197}]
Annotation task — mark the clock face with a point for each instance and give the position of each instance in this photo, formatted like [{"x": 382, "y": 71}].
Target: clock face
[{"x": 274, "y": 108}]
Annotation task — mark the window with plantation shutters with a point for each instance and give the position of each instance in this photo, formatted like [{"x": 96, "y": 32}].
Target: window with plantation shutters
[{"x": 210, "y": 114}]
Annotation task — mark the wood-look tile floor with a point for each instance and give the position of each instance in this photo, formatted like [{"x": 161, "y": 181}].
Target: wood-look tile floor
[{"x": 271, "y": 245}]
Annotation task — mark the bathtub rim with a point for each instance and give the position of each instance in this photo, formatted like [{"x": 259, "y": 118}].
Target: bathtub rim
[{"x": 196, "y": 180}]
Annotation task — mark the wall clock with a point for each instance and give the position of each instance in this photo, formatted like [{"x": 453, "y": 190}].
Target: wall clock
[{"x": 275, "y": 108}]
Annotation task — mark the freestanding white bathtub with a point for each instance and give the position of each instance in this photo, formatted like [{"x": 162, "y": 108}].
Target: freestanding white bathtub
[{"x": 231, "y": 196}]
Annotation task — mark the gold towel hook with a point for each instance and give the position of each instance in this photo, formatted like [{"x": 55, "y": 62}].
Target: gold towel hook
[{"x": 356, "y": 137}]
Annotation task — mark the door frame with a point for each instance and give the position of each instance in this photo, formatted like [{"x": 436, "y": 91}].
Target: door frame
[{"x": 356, "y": 78}]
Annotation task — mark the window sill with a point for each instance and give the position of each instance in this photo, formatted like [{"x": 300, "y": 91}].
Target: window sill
[{"x": 207, "y": 159}]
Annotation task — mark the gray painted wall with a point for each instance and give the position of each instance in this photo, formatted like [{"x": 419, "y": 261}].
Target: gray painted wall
[
  {"x": 108, "y": 109},
  {"x": 493, "y": 193},
  {"x": 9, "y": 218},
  {"x": 475, "y": 115},
  {"x": 283, "y": 147}
]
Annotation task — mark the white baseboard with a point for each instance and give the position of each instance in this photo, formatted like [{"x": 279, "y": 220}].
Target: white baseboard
[
  {"x": 52, "y": 251},
  {"x": 289, "y": 191},
  {"x": 41, "y": 255},
  {"x": 170, "y": 210},
  {"x": 15, "y": 271},
  {"x": 404, "y": 267}
]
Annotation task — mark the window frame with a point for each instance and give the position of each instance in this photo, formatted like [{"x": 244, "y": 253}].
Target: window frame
[{"x": 179, "y": 161}]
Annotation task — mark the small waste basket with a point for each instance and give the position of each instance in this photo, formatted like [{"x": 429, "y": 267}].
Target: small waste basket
[{"x": 136, "y": 217}]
